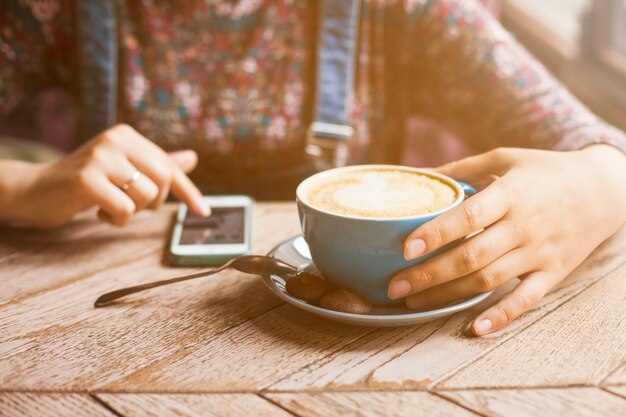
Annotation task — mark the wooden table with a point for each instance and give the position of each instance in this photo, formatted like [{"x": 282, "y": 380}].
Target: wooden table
[{"x": 226, "y": 346}]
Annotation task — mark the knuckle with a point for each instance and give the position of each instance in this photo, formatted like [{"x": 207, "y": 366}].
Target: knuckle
[
  {"x": 486, "y": 280},
  {"x": 524, "y": 301},
  {"x": 469, "y": 259},
  {"x": 422, "y": 280},
  {"x": 107, "y": 139},
  {"x": 499, "y": 153},
  {"x": 84, "y": 178},
  {"x": 472, "y": 214},
  {"x": 436, "y": 234},
  {"x": 121, "y": 129},
  {"x": 98, "y": 153},
  {"x": 123, "y": 212},
  {"x": 152, "y": 193},
  {"x": 500, "y": 315},
  {"x": 503, "y": 156},
  {"x": 163, "y": 175},
  {"x": 118, "y": 134}
]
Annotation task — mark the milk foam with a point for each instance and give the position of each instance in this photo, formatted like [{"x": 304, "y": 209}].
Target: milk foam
[{"x": 381, "y": 192}]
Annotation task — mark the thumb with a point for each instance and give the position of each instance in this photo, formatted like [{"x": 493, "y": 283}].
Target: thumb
[
  {"x": 476, "y": 169},
  {"x": 186, "y": 160}
]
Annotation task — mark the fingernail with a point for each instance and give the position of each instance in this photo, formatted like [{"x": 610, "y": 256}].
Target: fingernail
[
  {"x": 203, "y": 208},
  {"x": 414, "y": 249},
  {"x": 399, "y": 289},
  {"x": 483, "y": 326}
]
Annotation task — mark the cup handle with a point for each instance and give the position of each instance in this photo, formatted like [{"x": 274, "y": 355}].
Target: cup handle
[{"x": 468, "y": 189}]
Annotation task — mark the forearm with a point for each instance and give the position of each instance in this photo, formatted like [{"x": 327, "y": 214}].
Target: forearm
[{"x": 16, "y": 178}]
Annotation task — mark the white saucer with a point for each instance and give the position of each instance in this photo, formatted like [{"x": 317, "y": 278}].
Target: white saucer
[{"x": 295, "y": 252}]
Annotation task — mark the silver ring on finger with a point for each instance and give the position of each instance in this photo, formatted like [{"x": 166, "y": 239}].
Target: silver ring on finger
[{"x": 134, "y": 177}]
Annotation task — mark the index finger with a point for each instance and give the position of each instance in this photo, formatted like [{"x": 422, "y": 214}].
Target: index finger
[
  {"x": 187, "y": 192},
  {"x": 474, "y": 214}
]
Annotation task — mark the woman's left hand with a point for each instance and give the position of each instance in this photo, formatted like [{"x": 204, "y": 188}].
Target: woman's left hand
[{"x": 542, "y": 212}]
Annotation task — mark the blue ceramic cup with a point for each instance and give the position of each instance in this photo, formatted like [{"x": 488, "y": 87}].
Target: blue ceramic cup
[{"x": 361, "y": 253}]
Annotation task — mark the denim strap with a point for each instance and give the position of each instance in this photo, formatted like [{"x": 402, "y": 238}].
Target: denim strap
[
  {"x": 97, "y": 58},
  {"x": 336, "y": 57}
]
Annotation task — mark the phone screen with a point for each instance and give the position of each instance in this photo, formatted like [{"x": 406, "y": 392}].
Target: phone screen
[{"x": 224, "y": 225}]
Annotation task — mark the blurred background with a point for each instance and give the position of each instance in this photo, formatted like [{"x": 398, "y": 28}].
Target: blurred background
[{"x": 582, "y": 42}]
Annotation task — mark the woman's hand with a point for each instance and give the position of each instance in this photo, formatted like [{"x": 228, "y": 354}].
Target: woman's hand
[
  {"x": 542, "y": 212},
  {"x": 103, "y": 173}
]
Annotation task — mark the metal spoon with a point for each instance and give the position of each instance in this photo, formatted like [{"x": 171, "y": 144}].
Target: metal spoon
[{"x": 251, "y": 264}]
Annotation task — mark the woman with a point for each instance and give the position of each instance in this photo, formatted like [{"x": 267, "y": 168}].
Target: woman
[{"x": 233, "y": 81}]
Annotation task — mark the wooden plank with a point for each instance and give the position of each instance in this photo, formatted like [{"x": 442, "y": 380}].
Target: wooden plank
[
  {"x": 389, "y": 404},
  {"x": 617, "y": 377},
  {"x": 70, "y": 304},
  {"x": 247, "y": 357},
  {"x": 99, "y": 346},
  {"x": 43, "y": 260},
  {"x": 419, "y": 358},
  {"x": 50, "y": 404},
  {"x": 617, "y": 390},
  {"x": 46, "y": 266},
  {"x": 18, "y": 238},
  {"x": 571, "y": 402},
  {"x": 191, "y": 405},
  {"x": 351, "y": 367},
  {"x": 56, "y": 340},
  {"x": 184, "y": 337},
  {"x": 18, "y": 241},
  {"x": 579, "y": 343}
]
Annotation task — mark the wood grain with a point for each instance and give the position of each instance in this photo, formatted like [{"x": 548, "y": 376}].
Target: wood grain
[
  {"x": 33, "y": 260},
  {"x": 247, "y": 357},
  {"x": 45, "y": 265},
  {"x": 419, "y": 358},
  {"x": 388, "y": 404},
  {"x": 617, "y": 377},
  {"x": 50, "y": 405},
  {"x": 70, "y": 304},
  {"x": 16, "y": 238},
  {"x": 212, "y": 345},
  {"x": 88, "y": 347},
  {"x": 191, "y": 405},
  {"x": 617, "y": 390},
  {"x": 56, "y": 340},
  {"x": 580, "y": 343},
  {"x": 351, "y": 367},
  {"x": 570, "y": 402}
]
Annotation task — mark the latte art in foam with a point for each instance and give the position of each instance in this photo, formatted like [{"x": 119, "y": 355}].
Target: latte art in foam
[{"x": 380, "y": 193}]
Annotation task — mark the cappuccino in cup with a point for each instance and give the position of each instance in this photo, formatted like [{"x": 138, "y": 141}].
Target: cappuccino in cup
[
  {"x": 380, "y": 193},
  {"x": 355, "y": 220}
]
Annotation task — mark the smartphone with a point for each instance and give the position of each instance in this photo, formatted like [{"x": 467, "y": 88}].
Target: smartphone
[{"x": 225, "y": 234}]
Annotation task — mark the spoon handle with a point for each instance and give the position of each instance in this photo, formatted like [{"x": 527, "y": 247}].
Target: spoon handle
[{"x": 114, "y": 295}]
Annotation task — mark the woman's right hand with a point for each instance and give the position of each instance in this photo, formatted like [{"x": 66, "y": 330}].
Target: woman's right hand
[{"x": 103, "y": 173}]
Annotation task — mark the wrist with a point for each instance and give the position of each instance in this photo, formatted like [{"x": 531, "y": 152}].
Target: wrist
[
  {"x": 17, "y": 179},
  {"x": 610, "y": 163}
]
